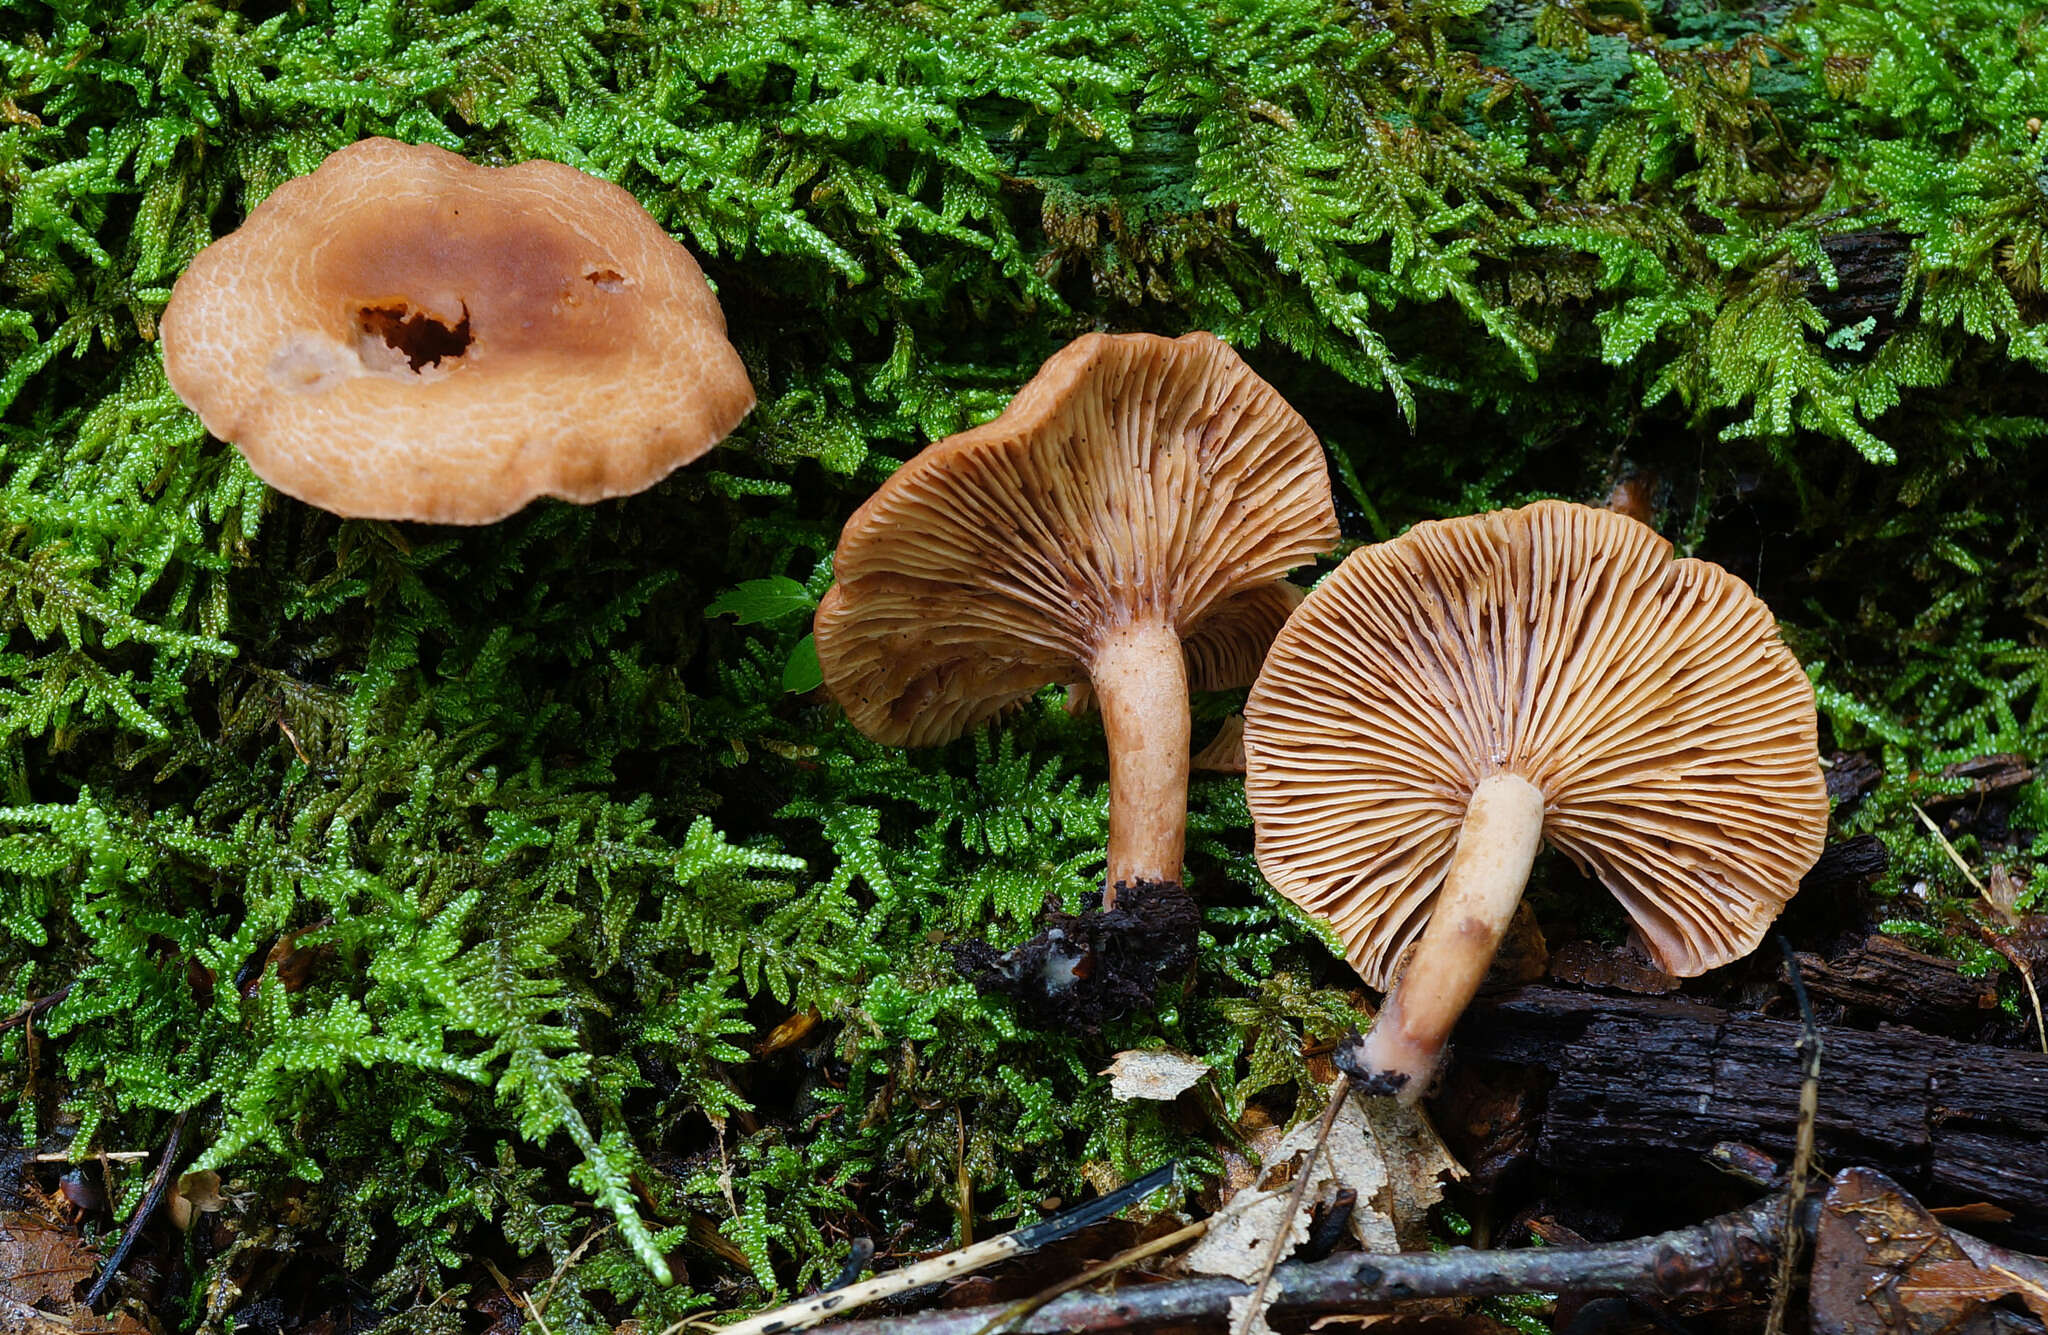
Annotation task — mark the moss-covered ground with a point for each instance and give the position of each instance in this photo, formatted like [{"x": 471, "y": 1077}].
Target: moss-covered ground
[{"x": 510, "y": 897}]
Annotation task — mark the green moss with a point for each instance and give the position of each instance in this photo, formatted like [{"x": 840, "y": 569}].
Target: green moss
[{"x": 537, "y": 804}]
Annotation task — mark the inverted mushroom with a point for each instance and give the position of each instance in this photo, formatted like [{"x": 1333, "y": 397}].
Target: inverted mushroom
[
  {"x": 1445, "y": 702},
  {"x": 403, "y": 334},
  {"x": 1125, "y": 522}
]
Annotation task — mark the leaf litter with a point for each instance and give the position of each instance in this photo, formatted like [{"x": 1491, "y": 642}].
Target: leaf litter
[{"x": 1387, "y": 1153}]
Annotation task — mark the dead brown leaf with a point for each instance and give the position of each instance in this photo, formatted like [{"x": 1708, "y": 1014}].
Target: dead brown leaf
[
  {"x": 2003, "y": 890},
  {"x": 1884, "y": 1265},
  {"x": 1977, "y": 1212},
  {"x": 789, "y": 1031},
  {"x": 43, "y": 1265},
  {"x": 1160, "y": 1074},
  {"x": 40, "y": 1260},
  {"x": 1386, "y": 1153}
]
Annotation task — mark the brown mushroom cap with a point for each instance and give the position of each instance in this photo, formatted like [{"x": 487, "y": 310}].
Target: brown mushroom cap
[
  {"x": 1669, "y": 731},
  {"x": 403, "y": 334},
  {"x": 1133, "y": 477},
  {"x": 1224, "y": 753}
]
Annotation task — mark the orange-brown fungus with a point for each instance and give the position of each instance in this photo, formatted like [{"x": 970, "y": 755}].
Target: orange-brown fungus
[
  {"x": 1446, "y": 702},
  {"x": 403, "y": 334},
  {"x": 1125, "y": 522},
  {"x": 1650, "y": 702}
]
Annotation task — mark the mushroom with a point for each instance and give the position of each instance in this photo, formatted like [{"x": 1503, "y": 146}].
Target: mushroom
[
  {"x": 1225, "y": 752},
  {"x": 1445, "y": 702},
  {"x": 1125, "y": 521},
  {"x": 403, "y": 334}
]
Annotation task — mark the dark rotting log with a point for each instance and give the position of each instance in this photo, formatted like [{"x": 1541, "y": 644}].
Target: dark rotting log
[
  {"x": 1850, "y": 864},
  {"x": 1870, "y": 274},
  {"x": 1655, "y": 1082},
  {"x": 1882, "y": 978}
]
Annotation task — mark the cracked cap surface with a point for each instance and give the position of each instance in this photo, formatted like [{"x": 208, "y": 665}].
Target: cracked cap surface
[{"x": 403, "y": 334}]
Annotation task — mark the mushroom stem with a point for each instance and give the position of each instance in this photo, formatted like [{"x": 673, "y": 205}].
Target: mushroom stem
[
  {"x": 1140, "y": 677},
  {"x": 1496, "y": 848}
]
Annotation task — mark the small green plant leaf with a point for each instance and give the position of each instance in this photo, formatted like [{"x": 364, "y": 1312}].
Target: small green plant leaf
[
  {"x": 801, "y": 674},
  {"x": 762, "y": 600}
]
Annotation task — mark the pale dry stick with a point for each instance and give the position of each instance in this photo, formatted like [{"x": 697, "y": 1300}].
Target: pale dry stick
[
  {"x": 1802, "y": 1154},
  {"x": 518, "y": 1299},
  {"x": 152, "y": 1196},
  {"x": 18, "y": 1315},
  {"x": 1123, "y": 1259},
  {"x": 118, "y": 1156},
  {"x": 1727, "y": 1259},
  {"x": 954, "y": 1264},
  {"x": 2025, "y": 970},
  {"x": 547, "y": 1295},
  {"x": 1338, "y": 1093}
]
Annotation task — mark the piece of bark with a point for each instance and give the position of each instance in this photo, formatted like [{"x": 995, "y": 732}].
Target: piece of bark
[
  {"x": 1870, "y": 271},
  {"x": 1988, "y": 775},
  {"x": 1851, "y": 774},
  {"x": 1884, "y": 978},
  {"x": 1723, "y": 1264},
  {"x": 1850, "y": 864},
  {"x": 1626, "y": 969},
  {"x": 1653, "y": 1083}
]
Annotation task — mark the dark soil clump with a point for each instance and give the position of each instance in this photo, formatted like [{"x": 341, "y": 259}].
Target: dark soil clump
[{"x": 1083, "y": 970}]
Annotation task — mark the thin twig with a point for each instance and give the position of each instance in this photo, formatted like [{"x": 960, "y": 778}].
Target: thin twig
[
  {"x": 952, "y": 1265},
  {"x": 1949, "y": 849},
  {"x": 965, "y": 1205},
  {"x": 1122, "y": 1260},
  {"x": 34, "y": 1008},
  {"x": 518, "y": 1299},
  {"x": 1729, "y": 1258},
  {"x": 1302, "y": 1176},
  {"x": 118, "y": 1156},
  {"x": 151, "y": 1196},
  {"x": 547, "y": 1295},
  {"x": 1802, "y": 1154}
]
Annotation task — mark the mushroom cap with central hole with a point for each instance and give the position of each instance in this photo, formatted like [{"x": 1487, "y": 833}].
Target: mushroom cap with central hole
[
  {"x": 403, "y": 334},
  {"x": 1134, "y": 476},
  {"x": 1649, "y": 701},
  {"x": 1126, "y": 521}
]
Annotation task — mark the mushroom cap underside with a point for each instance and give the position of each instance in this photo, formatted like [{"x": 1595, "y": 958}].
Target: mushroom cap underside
[
  {"x": 972, "y": 666},
  {"x": 1651, "y": 700},
  {"x": 404, "y": 334},
  {"x": 1135, "y": 477}
]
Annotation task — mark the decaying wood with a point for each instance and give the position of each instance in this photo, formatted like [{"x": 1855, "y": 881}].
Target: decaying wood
[
  {"x": 1847, "y": 865},
  {"x": 1989, "y": 776},
  {"x": 1726, "y": 1261},
  {"x": 1884, "y": 977},
  {"x": 1870, "y": 270},
  {"x": 1654, "y": 1082},
  {"x": 1883, "y": 1266}
]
